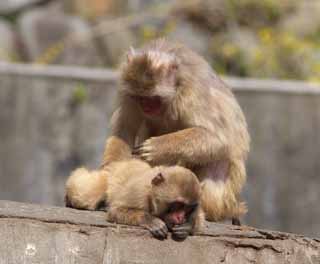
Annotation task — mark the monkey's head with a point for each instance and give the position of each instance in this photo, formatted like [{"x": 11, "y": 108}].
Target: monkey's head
[
  {"x": 175, "y": 194},
  {"x": 149, "y": 77}
]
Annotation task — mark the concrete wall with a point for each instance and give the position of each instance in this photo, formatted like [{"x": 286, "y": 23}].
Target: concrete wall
[{"x": 54, "y": 119}]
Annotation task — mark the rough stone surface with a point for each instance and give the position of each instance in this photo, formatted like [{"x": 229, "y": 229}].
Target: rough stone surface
[
  {"x": 10, "y": 6},
  {"x": 114, "y": 45},
  {"x": 305, "y": 21},
  {"x": 51, "y": 125},
  {"x": 36, "y": 234},
  {"x": 96, "y": 8},
  {"x": 51, "y": 37},
  {"x": 8, "y": 51},
  {"x": 193, "y": 36}
]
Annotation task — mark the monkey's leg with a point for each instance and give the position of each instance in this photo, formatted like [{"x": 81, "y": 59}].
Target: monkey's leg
[
  {"x": 221, "y": 183},
  {"x": 86, "y": 189},
  {"x": 190, "y": 146},
  {"x": 138, "y": 217},
  {"x": 236, "y": 221}
]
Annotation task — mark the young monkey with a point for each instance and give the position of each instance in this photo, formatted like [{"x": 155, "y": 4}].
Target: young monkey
[
  {"x": 159, "y": 199},
  {"x": 174, "y": 109}
]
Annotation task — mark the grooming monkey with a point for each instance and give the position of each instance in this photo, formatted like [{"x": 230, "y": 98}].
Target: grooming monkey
[
  {"x": 159, "y": 199},
  {"x": 173, "y": 109}
]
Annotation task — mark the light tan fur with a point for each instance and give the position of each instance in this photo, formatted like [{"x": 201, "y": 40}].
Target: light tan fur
[
  {"x": 86, "y": 189},
  {"x": 202, "y": 127},
  {"x": 133, "y": 200},
  {"x": 125, "y": 183}
]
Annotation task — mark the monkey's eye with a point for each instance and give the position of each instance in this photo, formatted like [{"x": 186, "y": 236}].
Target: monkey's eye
[
  {"x": 190, "y": 208},
  {"x": 175, "y": 206}
]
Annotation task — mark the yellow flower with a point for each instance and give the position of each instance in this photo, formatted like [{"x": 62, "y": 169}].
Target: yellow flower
[
  {"x": 266, "y": 35},
  {"x": 289, "y": 40},
  {"x": 258, "y": 55}
]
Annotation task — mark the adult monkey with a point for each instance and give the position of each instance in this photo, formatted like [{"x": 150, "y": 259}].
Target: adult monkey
[{"x": 174, "y": 109}]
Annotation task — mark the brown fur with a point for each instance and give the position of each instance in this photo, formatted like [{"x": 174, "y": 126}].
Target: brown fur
[
  {"x": 202, "y": 127},
  {"x": 134, "y": 200},
  {"x": 126, "y": 184}
]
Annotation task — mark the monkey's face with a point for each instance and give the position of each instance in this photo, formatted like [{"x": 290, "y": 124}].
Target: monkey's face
[
  {"x": 178, "y": 213},
  {"x": 176, "y": 195},
  {"x": 150, "y": 80}
]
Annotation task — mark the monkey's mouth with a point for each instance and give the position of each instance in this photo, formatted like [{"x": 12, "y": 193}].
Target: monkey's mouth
[{"x": 150, "y": 105}]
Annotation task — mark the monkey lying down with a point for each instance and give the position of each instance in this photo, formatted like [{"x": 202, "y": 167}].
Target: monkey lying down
[{"x": 159, "y": 199}]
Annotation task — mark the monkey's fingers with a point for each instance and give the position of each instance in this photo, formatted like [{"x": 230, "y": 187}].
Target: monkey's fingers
[
  {"x": 182, "y": 231},
  {"x": 144, "y": 150},
  {"x": 184, "y": 227},
  {"x": 158, "y": 229},
  {"x": 180, "y": 235},
  {"x": 159, "y": 232},
  {"x": 137, "y": 150}
]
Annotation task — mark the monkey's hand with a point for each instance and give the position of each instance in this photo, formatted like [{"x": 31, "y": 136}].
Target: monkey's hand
[
  {"x": 154, "y": 150},
  {"x": 182, "y": 231},
  {"x": 146, "y": 150},
  {"x": 158, "y": 228}
]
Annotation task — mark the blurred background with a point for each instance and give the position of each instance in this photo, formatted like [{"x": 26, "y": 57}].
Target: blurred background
[{"x": 57, "y": 89}]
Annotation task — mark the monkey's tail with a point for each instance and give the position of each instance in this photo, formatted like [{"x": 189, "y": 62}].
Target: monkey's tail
[{"x": 116, "y": 149}]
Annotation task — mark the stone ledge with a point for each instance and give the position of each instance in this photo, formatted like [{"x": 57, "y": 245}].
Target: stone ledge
[{"x": 45, "y": 234}]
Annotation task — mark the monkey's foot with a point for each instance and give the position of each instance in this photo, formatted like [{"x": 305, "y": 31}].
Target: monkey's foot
[{"x": 236, "y": 221}]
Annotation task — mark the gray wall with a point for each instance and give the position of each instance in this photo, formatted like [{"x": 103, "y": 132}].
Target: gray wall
[{"x": 55, "y": 119}]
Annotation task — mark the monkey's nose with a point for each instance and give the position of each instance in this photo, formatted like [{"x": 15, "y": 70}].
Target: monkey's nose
[{"x": 179, "y": 218}]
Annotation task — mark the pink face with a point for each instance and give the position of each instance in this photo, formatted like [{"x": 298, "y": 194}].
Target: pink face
[
  {"x": 179, "y": 210},
  {"x": 178, "y": 213},
  {"x": 151, "y": 105}
]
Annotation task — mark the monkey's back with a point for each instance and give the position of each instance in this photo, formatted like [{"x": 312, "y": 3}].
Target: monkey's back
[{"x": 128, "y": 184}]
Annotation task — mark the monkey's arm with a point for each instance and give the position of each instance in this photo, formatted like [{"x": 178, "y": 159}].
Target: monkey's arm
[
  {"x": 124, "y": 125},
  {"x": 191, "y": 146},
  {"x": 138, "y": 217}
]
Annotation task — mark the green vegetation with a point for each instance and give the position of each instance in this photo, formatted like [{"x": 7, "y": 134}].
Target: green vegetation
[{"x": 80, "y": 94}]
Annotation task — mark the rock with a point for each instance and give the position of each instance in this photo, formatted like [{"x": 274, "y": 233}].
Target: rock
[
  {"x": 12, "y": 6},
  {"x": 235, "y": 50},
  {"x": 138, "y": 5},
  {"x": 305, "y": 21},
  {"x": 191, "y": 35},
  {"x": 114, "y": 45},
  {"x": 8, "y": 51},
  {"x": 42, "y": 234},
  {"x": 49, "y": 37},
  {"x": 96, "y": 8},
  {"x": 209, "y": 14}
]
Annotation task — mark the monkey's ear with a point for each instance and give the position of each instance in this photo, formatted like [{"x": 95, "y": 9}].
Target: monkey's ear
[
  {"x": 131, "y": 53},
  {"x": 157, "y": 180}
]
